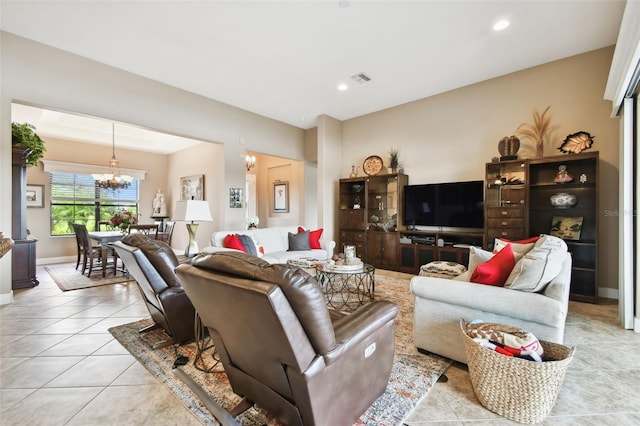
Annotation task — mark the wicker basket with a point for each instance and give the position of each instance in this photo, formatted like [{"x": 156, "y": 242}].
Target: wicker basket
[{"x": 518, "y": 389}]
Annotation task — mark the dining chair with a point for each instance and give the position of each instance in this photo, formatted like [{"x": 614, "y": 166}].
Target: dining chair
[
  {"x": 148, "y": 229},
  {"x": 104, "y": 225},
  {"x": 91, "y": 254},
  {"x": 168, "y": 232}
]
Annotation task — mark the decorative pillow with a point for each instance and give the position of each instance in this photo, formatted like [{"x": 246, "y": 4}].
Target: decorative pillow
[
  {"x": 232, "y": 241},
  {"x": 496, "y": 270},
  {"x": 539, "y": 266},
  {"x": 477, "y": 256},
  {"x": 520, "y": 248},
  {"x": 248, "y": 244},
  {"x": 314, "y": 237},
  {"x": 299, "y": 241}
]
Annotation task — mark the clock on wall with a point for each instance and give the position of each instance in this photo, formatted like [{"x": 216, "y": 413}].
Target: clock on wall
[{"x": 372, "y": 165}]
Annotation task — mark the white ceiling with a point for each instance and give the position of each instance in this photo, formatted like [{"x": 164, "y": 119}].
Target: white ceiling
[{"x": 285, "y": 59}]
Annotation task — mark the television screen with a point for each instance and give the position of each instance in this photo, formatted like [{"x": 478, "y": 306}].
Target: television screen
[{"x": 459, "y": 204}]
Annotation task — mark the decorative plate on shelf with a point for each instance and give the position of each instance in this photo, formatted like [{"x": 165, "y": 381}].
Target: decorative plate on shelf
[{"x": 372, "y": 165}]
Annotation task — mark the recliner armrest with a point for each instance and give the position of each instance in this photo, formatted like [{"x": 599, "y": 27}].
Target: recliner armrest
[{"x": 353, "y": 328}]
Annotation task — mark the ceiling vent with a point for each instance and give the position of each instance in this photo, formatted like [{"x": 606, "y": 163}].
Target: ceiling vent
[{"x": 361, "y": 78}]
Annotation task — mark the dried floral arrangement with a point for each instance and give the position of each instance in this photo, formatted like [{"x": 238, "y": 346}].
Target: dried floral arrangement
[{"x": 537, "y": 131}]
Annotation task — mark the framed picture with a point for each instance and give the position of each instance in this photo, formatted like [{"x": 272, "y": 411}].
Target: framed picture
[
  {"x": 566, "y": 227},
  {"x": 35, "y": 196},
  {"x": 280, "y": 197},
  {"x": 192, "y": 187},
  {"x": 235, "y": 198}
]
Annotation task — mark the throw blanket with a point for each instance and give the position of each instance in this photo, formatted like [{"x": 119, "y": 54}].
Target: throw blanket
[{"x": 505, "y": 339}]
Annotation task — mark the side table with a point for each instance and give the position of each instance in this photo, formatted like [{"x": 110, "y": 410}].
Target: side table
[{"x": 345, "y": 290}]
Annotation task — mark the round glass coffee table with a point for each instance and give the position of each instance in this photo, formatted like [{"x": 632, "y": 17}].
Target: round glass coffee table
[{"x": 347, "y": 289}]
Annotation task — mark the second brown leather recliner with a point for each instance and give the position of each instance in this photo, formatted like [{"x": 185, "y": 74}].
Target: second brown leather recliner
[{"x": 278, "y": 345}]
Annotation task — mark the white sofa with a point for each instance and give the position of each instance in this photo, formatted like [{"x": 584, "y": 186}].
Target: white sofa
[
  {"x": 275, "y": 242},
  {"x": 440, "y": 304}
]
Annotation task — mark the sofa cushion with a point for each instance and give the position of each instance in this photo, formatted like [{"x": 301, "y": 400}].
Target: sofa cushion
[
  {"x": 477, "y": 256},
  {"x": 520, "y": 248},
  {"x": 232, "y": 241},
  {"x": 299, "y": 241},
  {"x": 496, "y": 270},
  {"x": 539, "y": 266},
  {"x": 248, "y": 244},
  {"x": 314, "y": 237},
  {"x": 443, "y": 268}
]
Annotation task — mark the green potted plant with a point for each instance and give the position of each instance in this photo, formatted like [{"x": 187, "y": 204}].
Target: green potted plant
[
  {"x": 394, "y": 159},
  {"x": 24, "y": 135}
]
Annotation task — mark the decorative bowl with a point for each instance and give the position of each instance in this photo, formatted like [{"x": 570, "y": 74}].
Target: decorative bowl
[{"x": 563, "y": 200}]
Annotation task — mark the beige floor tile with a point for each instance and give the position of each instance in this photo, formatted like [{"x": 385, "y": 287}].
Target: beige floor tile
[
  {"x": 104, "y": 325},
  {"x": 135, "y": 405},
  {"x": 49, "y": 407},
  {"x": 25, "y": 326},
  {"x": 10, "y": 397},
  {"x": 69, "y": 326},
  {"x": 93, "y": 371},
  {"x": 32, "y": 344},
  {"x": 79, "y": 344},
  {"x": 36, "y": 372}
]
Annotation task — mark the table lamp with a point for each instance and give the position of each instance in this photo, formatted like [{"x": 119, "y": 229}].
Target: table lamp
[{"x": 191, "y": 211}]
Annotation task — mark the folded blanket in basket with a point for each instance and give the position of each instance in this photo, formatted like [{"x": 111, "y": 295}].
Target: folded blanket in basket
[{"x": 503, "y": 334}]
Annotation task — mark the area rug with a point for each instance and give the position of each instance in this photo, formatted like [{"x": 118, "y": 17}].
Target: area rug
[
  {"x": 68, "y": 278},
  {"x": 412, "y": 375}
]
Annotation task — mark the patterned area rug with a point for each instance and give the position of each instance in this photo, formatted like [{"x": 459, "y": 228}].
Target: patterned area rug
[
  {"x": 68, "y": 278},
  {"x": 412, "y": 375}
]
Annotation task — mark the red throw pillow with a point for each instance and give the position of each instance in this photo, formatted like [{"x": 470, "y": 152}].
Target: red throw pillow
[
  {"x": 496, "y": 270},
  {"x": 314, "y": 237},
  {"x": 527, "y": 241},
  {"x": 232, "y": 241}
]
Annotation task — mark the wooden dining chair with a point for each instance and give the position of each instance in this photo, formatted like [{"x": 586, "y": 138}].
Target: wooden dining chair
[
  {"x": 104, "y": 225},
  {"x": 91, "y": 255},
  {"x": 168, "y": 232},
  {"x": 148, "y": 229}
]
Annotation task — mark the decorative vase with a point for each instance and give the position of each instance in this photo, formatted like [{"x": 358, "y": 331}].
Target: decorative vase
[{"x": 563, "y": 200}]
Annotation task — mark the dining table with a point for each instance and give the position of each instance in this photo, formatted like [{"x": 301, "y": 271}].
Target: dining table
[{"x": 106, "y": 237}]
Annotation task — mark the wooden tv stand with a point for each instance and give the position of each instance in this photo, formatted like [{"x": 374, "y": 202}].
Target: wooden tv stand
[{"x": 421, "y": 247}]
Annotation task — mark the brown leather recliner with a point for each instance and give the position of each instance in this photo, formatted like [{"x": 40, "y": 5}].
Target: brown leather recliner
[
  {"x": 278, "y": 345},
  {"x": 151, "y": 263}
]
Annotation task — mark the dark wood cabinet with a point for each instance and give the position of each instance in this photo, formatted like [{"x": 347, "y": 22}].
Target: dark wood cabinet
[
  {"x": 23, "y": 260},
  {"x": 518, "y": 205},
  {"x": 370, "y": 211},
  {"x": 382, "y": 249}
]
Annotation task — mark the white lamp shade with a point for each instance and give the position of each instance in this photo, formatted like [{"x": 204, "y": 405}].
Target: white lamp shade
[{"x": 192, "y": 210}]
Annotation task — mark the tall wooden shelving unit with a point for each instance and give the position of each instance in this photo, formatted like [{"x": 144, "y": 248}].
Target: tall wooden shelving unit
[{"x": 518, "y": 205}]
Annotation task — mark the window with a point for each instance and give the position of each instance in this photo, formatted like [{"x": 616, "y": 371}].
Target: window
[{"x": 75, "y": 198}]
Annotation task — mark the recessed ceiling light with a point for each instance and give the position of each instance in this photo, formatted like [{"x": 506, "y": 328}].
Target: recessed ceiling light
[
  {"x": 500, "y": 25},
  {"x": 342, "y": 87},
  {"x": 344, "y": 4}
]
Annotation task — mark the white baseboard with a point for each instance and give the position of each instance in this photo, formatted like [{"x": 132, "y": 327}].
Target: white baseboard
[
  {"x": 6, "y": 298},
  {"x": 608, "y": 293},
  {"x": 636, "y": 324},
  {"x": 52, "y": 260}
]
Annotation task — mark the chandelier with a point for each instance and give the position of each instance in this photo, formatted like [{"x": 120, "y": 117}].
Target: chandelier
[
  {"x": 113, "y": 180},
  {"x": 250, "y": 162}
]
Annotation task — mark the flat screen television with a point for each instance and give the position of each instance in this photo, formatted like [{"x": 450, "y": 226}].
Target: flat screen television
[{"x": 456, "y": 204}]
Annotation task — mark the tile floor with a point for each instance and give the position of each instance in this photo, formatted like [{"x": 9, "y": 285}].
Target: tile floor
[{"x": 60, "y": 366}]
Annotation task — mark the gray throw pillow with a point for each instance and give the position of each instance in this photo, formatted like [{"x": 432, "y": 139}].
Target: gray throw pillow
[
  {"x": 299, "y": 241},
  {"x": 248, "y": 244}
]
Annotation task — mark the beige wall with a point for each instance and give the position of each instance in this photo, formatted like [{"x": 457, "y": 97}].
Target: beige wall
[
  {"x": 449, "y": 137},
  {"x": 74, "y": 152}
]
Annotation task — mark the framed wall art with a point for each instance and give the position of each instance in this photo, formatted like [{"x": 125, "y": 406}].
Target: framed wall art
[
  {"x": 192, "y": 187},
  {"x": 280, "y": 197},
  {"x": 235, "y": 198},
  {"x": 566, "y": 227},
  {"x": 35, "y": 196}
]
